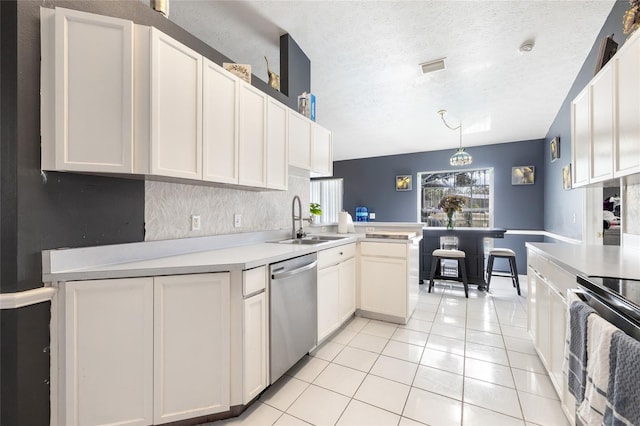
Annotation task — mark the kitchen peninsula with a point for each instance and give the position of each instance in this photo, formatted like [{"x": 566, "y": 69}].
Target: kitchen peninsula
[{"x": 147, "y": 303}]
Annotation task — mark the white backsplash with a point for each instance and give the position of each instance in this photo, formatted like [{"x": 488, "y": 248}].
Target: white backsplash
[{"x": 168, "y": 208}]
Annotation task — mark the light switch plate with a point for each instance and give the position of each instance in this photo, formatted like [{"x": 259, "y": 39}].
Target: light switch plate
[{"x": 237, "y": 220}]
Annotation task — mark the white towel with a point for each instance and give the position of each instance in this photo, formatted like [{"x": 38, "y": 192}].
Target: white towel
[{"x": 592, "y": 408}]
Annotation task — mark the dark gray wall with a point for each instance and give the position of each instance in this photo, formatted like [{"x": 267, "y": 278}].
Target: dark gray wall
[
  {"x": 560, "y": 205},
  {"x": 296, "y": 70},
  {"x": 65, "y": 210}
]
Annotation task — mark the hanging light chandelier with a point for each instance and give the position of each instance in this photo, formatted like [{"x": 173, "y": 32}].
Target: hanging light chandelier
[{"x": 460, "y": 157}]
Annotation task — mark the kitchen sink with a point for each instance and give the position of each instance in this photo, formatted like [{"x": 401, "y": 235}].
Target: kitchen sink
[{"x": 313, "y": 239}]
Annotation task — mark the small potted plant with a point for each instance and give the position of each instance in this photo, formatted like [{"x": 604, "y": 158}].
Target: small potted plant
[{"x": 314, "y": 211}]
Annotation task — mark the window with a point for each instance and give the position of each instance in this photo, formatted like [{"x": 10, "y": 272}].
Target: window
[
  {"x": 327, "y": 193},
  {"x": 475, "y": 185}
]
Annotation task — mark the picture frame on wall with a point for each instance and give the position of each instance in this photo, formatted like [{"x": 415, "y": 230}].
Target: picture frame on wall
[
  {"x": 566, "y": 177},
  {"x": 554, "y": 147},
  {"x": 403, "y": 183},
  {"x": 523, "y": 175}
]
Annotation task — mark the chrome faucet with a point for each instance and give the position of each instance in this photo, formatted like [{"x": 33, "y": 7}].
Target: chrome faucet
[{"x": 300, "y": 232}]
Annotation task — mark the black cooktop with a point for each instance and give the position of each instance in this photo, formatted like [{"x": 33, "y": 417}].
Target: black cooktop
[{"x": 623, "y": 293}]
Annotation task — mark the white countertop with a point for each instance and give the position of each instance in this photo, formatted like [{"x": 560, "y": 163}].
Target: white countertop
[
  {"x": 184, "y": 256},
  {"x": 607, "y": 261}
]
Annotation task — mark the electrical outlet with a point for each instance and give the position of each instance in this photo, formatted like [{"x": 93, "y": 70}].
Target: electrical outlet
[
  {"x": 574, "y": 218},
  {"x": 372, "y": 216},
  {"x": 323, "y": 229},
  {"x": 370, "y": 229},
  {"x": 237, "y": 220},
  {"x": 195, "y": 222}
]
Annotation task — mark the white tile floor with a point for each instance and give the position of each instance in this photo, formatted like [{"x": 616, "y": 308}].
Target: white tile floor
[{"x": 457, "y": 362}]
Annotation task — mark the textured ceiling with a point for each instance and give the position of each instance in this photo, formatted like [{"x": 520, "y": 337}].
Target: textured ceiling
[{"x": 365, "y": 58}]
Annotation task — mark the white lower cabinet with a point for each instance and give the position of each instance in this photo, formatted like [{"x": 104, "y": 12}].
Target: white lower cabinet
[
  {"x": 140, "y": 351},
  {"x": 547, "y": 319},
  {"x": 254, "y": 331},
  {"x": 336, "y": 288},
  {"x": 191, "y": 346},
  {"x": 105, "y": 373},
  {"x": 388, "y": 283}
]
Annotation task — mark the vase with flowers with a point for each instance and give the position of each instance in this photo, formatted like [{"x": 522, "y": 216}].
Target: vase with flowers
[{"x": 449, "y": 205}]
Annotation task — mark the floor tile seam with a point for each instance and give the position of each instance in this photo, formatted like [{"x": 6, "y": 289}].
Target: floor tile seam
[
  {"x": 556, "y": 399},
  {"x": 494, "y": 411},
  {"x": 376, "y": 335},
  {"x": 396, "y": 381}
]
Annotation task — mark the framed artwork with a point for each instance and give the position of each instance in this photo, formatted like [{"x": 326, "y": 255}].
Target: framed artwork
[
  {"x": 523, "y": 175},
  {"x": 242, "y": 71},
  {"x": 554, "y": 145},
  {"x": 566, "y": 176},
  {"x": 608, "y": 48},
  {"x": 403, "y": 183}
]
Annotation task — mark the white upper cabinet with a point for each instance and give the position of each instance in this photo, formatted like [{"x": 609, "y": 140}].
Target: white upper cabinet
[
  {"x": 176, "y": 108},
  {"x": 220, "y": 125},
  {"x": 299, "y": 141},
  {"x": 580, "y": 138},
  {"x": 602, "y": 126},
  {"x": 321, "y": 152},
  {"x": 277, "y": 146},
  {"x": 87, "y": 92},
  {"x": 252, "y": 137},
  {"x": 627, "y": 147},
  {"x": 605, "y": 117},
  {"x": 128, "y": 99}
]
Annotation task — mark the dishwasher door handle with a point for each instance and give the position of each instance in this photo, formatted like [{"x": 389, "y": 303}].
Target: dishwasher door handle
[{"x": 286, "y": 274}]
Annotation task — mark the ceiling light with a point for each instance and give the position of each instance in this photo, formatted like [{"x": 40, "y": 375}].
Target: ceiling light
[
  {"x": 527, "y": 46},
  {"x": 432, "y": 66},
  {"x": 460, "y": 157}
]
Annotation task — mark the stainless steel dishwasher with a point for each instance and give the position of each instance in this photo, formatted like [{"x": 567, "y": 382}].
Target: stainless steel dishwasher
[{"x": 293, "y": 312}]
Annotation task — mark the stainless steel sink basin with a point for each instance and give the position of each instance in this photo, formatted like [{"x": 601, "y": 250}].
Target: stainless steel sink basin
[{"x": 311, "y": 240}]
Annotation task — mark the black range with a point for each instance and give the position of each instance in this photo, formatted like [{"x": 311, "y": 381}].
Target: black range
[{"x": 621, "y": 294}]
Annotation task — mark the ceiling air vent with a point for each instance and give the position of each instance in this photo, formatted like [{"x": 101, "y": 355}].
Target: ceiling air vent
[{"x": 432, "y": 66}]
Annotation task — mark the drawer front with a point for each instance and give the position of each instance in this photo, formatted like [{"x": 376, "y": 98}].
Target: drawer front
[
  {"x": 383, "y": 249},
  {"x": 336, "y": 255},
  {"x": 254, "y": 280}
]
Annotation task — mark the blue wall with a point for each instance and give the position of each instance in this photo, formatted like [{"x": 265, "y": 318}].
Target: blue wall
[
  {"x": 371, "y": 182},
  {"x": 560, "y": 205}
]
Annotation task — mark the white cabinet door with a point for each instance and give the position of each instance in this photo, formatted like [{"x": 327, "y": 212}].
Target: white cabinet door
[
  {"x": 557, "y": 337},
  {"x": 220, "y": 125},
  {"x": 299, "y": 141},
  {"x": 602, "y": 125},
  {"x": 321, "y": 151},
  {"x": 87, "y": 115},
  {"x": 328, "y": 300},
  {"x": 108, "y": 352},
  {"x": 627, "y": 149},
  {"x": 255, "y": 346},
  {"x": 191, "y": 346},
  {"x": 347, "y": 296},
  {"x": 580, "y": 138},
  {"x": 543, "y": 303},
  {"x": 277, "y": 145},
  {"x": 176, "y": 108},
  {"x": 532, "y": 307},
  {"x": 383, "y": 285},
  {"x": 252, "y": 133}
]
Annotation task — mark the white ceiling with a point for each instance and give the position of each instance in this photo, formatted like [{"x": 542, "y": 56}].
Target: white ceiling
[{"x": 365, "y": 56}]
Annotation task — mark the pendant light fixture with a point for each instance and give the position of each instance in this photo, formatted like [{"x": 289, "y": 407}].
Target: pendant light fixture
[{"x": 460, "y": 157}]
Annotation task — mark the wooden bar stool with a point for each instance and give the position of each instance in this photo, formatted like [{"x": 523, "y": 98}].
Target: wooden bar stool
[
  {"x": 452, "y": 254},
  {"x": 504, "y": 254}
]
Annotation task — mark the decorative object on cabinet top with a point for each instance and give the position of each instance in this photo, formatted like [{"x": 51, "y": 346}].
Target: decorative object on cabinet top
[
  {"x": 242, "y": 71},
  {"x": 274, "y": 79},
  {"x": 608, "y": 48},
  {"x": 631, "y": 18}
]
